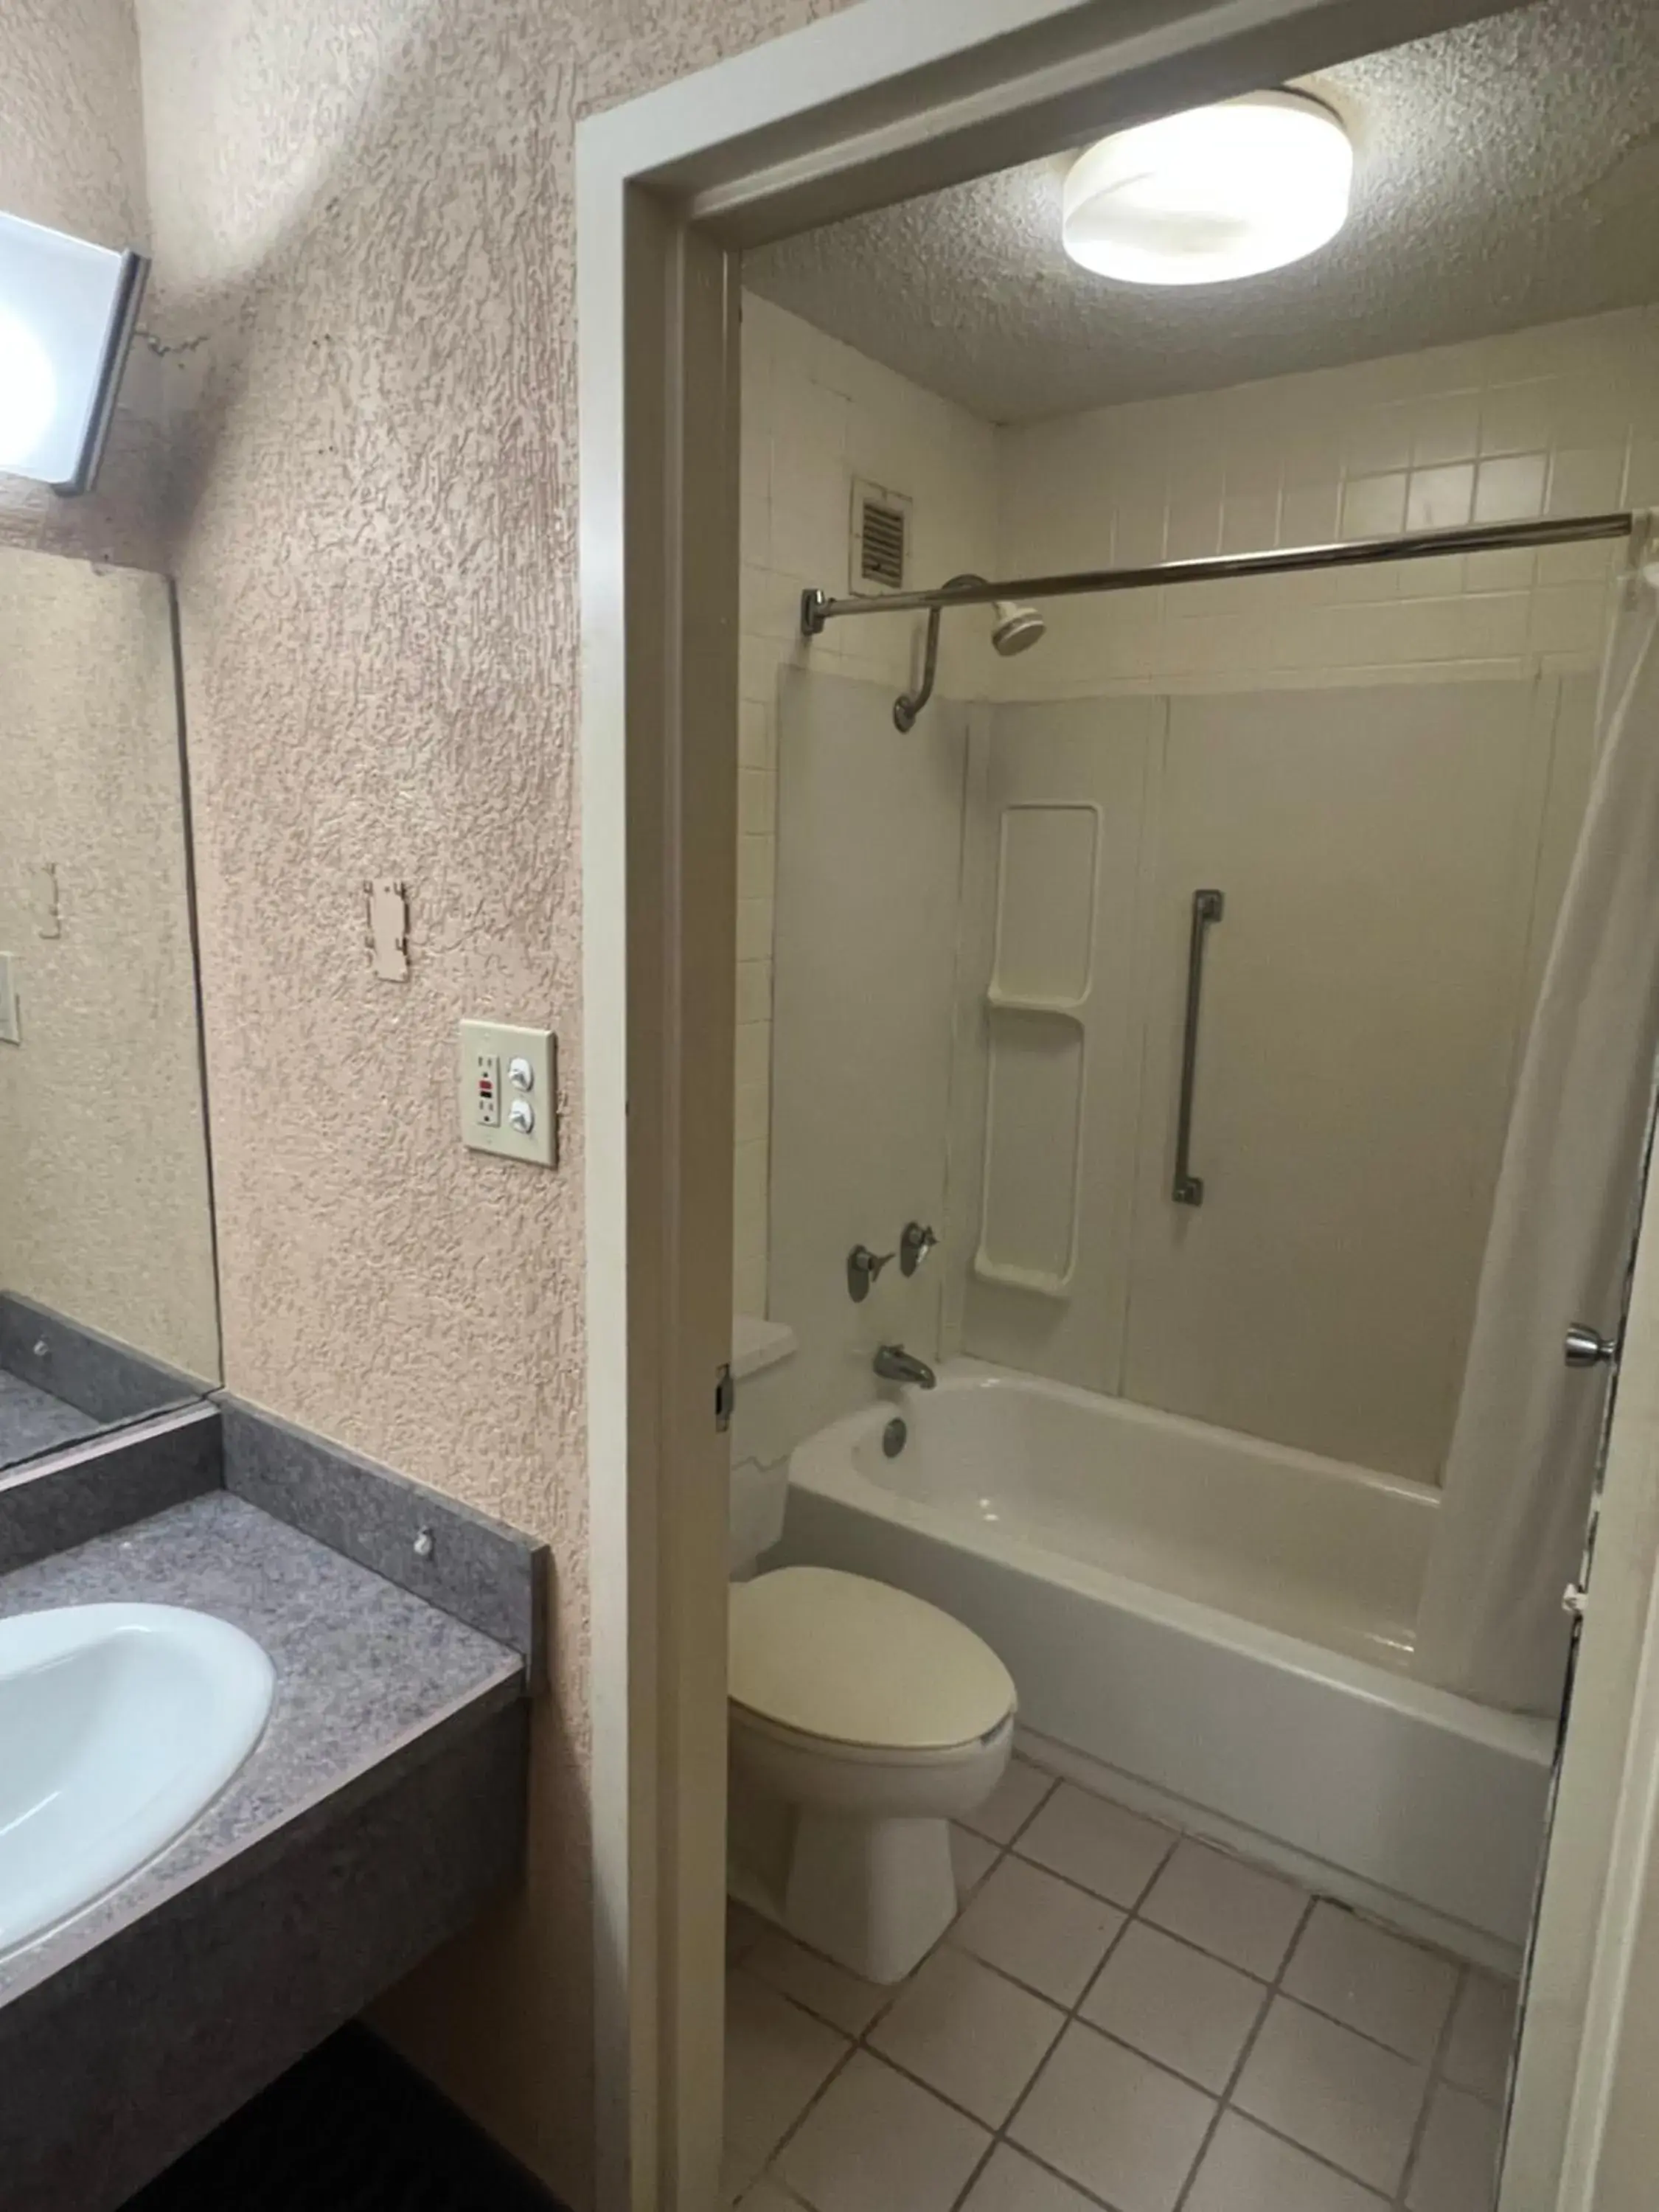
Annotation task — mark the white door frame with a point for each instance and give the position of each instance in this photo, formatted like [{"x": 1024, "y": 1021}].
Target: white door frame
[{"x": 886, "y": 99}]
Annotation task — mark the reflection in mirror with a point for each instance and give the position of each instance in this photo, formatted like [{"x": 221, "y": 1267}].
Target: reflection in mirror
[{"x": 108, "y": 1309}]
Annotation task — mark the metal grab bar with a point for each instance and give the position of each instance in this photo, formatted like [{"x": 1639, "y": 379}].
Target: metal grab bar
[{"x": 1188, "y": 1189}]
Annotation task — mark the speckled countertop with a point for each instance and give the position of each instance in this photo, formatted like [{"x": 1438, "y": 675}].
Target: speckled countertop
[{"x": 366, "y": 1674}]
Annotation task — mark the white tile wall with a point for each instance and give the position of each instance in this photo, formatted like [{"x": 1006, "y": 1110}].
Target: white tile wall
[
  {"x": 1563, "y": 418},
  {"x": 1559, "y": 419}
]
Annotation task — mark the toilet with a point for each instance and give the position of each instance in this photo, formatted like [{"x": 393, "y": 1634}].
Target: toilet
[{"x": 863, "y": 1721}]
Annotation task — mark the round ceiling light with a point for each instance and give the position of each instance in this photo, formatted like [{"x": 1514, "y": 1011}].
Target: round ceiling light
[{"x": 1218, "y": 192}]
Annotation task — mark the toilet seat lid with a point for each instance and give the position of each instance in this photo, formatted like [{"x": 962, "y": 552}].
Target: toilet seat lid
[{"x": 858, "y": 1662}]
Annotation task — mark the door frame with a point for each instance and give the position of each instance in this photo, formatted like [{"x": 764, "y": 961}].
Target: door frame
[{"x": 882, "y": 101}]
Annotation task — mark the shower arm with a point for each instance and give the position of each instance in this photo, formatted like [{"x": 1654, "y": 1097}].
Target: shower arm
[
  {"x": 817, "y": 608},
  {"x": 910, "y": 704}
]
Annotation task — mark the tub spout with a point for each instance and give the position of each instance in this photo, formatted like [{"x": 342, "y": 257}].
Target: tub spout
[{"x": 895, "y": 1364}]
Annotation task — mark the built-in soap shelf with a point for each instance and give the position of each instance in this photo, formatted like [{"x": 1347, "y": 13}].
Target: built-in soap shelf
[
  {"x": 1037, "y": 1280},
  {"x": 1008, "y": 1002},
  {"x": 1033, "y": 1116},
  {"x": 1036, "y": 1002}
]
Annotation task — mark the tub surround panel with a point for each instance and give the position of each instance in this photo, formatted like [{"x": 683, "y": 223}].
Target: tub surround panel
[
  {"x": 869, "y": 874},
  {"x": 52, "y": 1506},
  {"x": 97, "y": 1374},
  {"x": 115, "y": 2066},
  {"x": 479, "y": 1570},
  {"x": 1348, "y": 1127}
]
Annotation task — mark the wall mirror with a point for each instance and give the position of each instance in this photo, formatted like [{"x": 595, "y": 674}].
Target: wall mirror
[{"x": 108, "y": 1302}]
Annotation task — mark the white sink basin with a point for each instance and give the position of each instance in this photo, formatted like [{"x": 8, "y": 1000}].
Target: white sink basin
[{"x": 119, "y": 1724}]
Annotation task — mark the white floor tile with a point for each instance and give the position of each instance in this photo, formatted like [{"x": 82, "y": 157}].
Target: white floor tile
[
  {"x": 1368, "y": 1979},
  {"x": 1247, "y": 2170},
  {"x": 1457, "y": 2160},
  {"x": 1011, "y": 1803},
  {"x": 1012, "y": 2183},
  {"x": 776, "y": 2059},
  {"x": 1037, "y": 1929},
  {"x": 1178, "y": 2005},
  {"x": 970, "y": 2033},
  {"x": 972, "y": 1858},
  {"x": 1111, "y": 1851},
  {"x": 1333, "y": 2091},
  {"x": 875, "y": 2143},
  {"x": 1236, "y": 1912},
  {"x": 1113, "y": 2123},
  {"x": 1478, "y": 2051},
  {"x": 828, "y": 1990}
]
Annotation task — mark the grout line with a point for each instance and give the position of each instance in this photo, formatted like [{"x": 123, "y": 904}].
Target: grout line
[
  {"x": 1437, "y": 2063},
  {"x": 1272, "y": 1991},
  {"x": 810, "y": 2105},
  {"x": 1224, "y": 2103}
]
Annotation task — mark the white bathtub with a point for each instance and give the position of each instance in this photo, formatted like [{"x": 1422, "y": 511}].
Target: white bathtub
[{"x": 1223, "y": 1623}]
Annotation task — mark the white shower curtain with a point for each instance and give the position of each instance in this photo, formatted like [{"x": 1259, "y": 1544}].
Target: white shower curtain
[{"x": 1519, "y": 1472}]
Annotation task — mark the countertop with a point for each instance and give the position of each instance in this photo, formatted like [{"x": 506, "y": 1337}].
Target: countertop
[{"x": 368, "y": 1675}]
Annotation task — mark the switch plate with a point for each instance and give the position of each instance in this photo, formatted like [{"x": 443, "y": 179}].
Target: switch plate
[
  {"x": 9, "y": 1031},
  {"x": 487, "y": 1049}
]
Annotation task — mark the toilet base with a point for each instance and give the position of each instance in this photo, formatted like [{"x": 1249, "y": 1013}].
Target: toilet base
[{"x": 873, "y": 1895}]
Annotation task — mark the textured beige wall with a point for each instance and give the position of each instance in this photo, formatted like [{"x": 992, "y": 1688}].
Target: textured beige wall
[
  {"x": 104, "y": 1201},
  {"x": 72, "y": 156},
  {"x": 364, "y": 227}
]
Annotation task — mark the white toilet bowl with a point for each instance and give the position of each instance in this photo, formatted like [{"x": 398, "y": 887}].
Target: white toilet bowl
[{"x": 863, "y": 1722}]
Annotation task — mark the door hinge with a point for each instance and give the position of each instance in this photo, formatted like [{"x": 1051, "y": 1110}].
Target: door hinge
[
  {"x": 1574, "y": 1599},
  {"x": 725, "y": 1398}
]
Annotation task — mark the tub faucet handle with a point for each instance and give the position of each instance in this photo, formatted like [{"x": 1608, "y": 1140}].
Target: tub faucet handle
[
  {"x": 917, "y": 1241},
  {"x": 863, "y": 1265}
]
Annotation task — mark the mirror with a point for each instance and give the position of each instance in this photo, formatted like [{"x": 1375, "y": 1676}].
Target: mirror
[{"x": 108, "y": 1305}]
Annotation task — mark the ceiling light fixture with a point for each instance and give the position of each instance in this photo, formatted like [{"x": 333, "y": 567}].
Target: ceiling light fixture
[
  {"x": 67, "y": 312},
  {"x": 1218, "y": 193}
]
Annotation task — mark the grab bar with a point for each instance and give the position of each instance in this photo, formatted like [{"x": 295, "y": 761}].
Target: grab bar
[{"x": 1188, "y": 1189}]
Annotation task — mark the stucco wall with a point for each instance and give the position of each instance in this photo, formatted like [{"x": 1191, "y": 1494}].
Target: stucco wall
[
  {"x": 364, "y": 227},
  {"x": 104, "y": 1201},
  {"x": 72, "y": 156}
]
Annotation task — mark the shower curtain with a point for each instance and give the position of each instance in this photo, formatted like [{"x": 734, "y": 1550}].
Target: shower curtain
[{"x": 1519, "y": 1472}]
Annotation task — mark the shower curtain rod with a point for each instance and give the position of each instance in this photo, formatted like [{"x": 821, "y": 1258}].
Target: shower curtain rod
[{"x": 817, "y": 608}]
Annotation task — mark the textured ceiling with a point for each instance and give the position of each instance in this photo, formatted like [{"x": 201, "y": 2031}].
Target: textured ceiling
[{"x": 1508, "y": 173}]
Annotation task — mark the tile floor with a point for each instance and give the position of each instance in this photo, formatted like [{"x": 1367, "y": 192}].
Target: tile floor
[{"x": 1121, "y": 2016}]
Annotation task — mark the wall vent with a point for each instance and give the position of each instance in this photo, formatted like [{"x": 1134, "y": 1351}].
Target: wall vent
[{"x": 881, "y": 538}]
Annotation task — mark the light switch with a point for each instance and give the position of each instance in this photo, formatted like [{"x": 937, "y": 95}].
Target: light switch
[
  {"x": 528, "y": 1127},
  {"x": 9, "y": 1032}
]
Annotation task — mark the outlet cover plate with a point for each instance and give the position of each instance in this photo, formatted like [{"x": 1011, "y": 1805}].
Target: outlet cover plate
[
  {"x": 490, "y": 1092},
  {"x": 9, "y": 1031}
]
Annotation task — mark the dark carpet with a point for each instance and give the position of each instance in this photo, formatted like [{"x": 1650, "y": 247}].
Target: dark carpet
[{"x": 350, "y": 2129}]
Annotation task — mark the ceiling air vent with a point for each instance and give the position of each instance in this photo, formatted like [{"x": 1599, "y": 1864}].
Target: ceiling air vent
[{"x": 881, "y": 532}]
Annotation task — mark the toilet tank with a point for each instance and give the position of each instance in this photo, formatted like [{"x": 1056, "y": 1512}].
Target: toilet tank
[{"x": 760, "y": 1440}]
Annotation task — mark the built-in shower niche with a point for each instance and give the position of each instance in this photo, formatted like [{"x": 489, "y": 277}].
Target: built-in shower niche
[{"x": 1036, "y": 1011}]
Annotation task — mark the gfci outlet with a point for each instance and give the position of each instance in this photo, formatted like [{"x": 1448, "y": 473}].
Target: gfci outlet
[{"x": 509, "y": 1091}]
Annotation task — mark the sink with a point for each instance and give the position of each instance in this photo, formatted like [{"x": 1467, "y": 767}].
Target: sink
[{"x": 118, "y": 1725}]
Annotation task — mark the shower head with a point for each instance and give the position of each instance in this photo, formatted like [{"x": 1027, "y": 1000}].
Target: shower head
[{"x": 1017, "y": 627}]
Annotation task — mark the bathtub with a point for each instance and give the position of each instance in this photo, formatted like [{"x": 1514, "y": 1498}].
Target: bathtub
[{"x": 1212, "y": 1627}]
